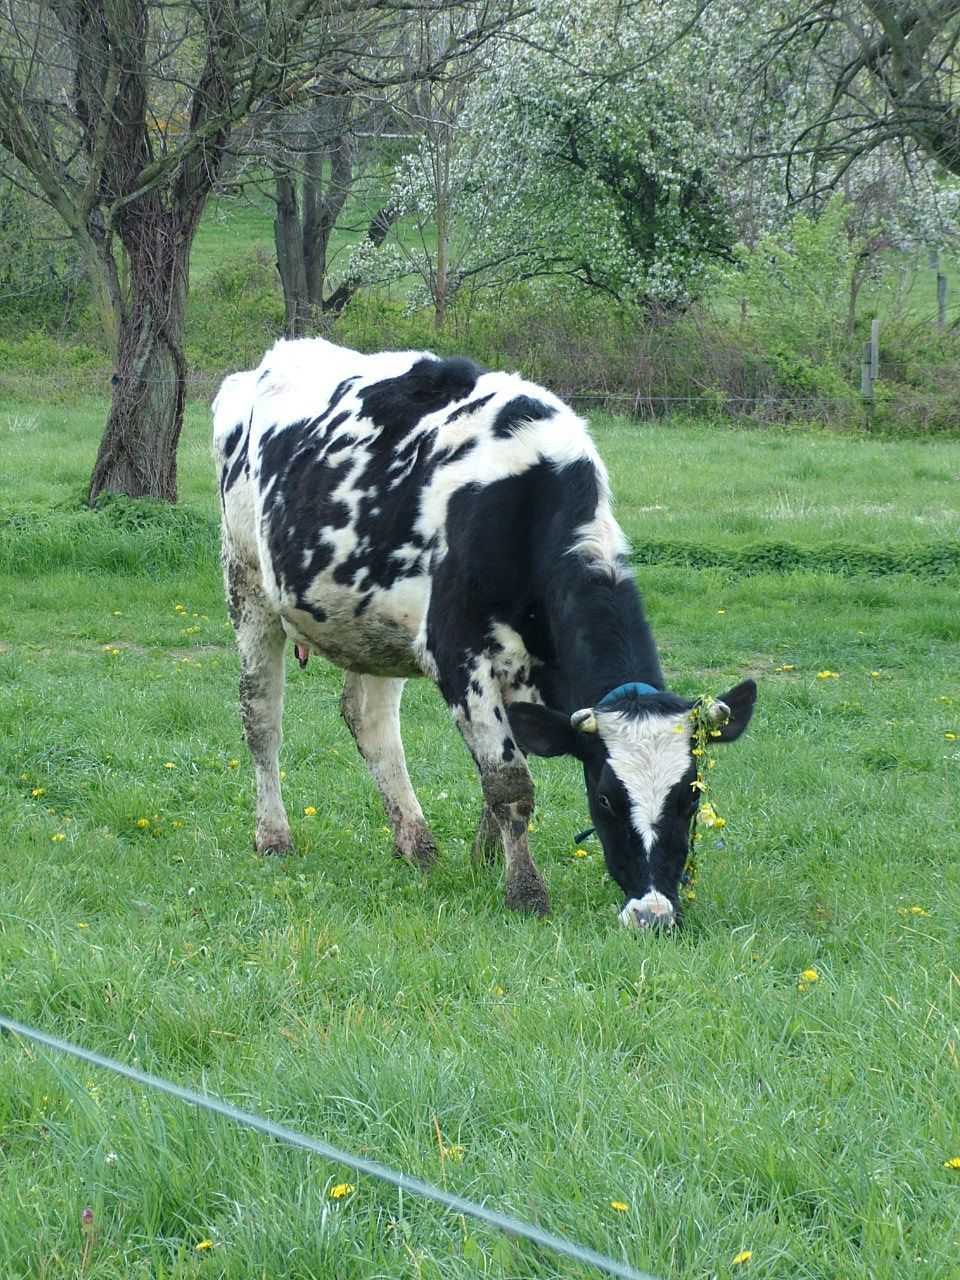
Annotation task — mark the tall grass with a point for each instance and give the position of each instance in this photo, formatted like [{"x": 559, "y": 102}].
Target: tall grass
[{"x": 567, "y": 1065}]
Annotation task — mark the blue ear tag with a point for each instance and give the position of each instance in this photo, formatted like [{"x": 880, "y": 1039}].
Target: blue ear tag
[{"x": 623, "y": 689}]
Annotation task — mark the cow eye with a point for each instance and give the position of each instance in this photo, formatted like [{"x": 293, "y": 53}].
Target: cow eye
[{"x": 604, "y": 803}]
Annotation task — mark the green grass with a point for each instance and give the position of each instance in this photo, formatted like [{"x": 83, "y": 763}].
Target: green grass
[{"x": 339, "y": 992}]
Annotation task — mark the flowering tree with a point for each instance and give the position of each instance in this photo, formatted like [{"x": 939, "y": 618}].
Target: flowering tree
[{"x": 573, "y": 151}]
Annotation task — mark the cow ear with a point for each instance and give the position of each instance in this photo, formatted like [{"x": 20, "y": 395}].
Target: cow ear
[
  {"x": 541, "y": 731},
  {"x": 739, "y": 702}
]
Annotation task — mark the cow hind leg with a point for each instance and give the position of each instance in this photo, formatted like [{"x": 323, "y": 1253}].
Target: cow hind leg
[
  {"x": 260, "y": 640},
  {"x": 371, "y": 708}
]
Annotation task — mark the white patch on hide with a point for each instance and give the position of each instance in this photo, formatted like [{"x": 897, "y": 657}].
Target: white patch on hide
[
  {"x": 649, "y": 754},
  {"x": 601, "y": 542}
]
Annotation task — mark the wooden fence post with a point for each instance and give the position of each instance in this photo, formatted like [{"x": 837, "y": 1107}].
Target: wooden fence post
[{"x": 866, "y": 382}]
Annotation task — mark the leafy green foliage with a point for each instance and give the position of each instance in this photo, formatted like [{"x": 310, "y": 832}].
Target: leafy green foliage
[
  {"x": 237, "y": 314},
  {"x": 41, "y": 274}
]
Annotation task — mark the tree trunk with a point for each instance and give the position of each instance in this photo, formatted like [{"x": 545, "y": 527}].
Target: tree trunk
[
  {"x": 138, "y": 452},
  {"x": 288, "y": 238}
]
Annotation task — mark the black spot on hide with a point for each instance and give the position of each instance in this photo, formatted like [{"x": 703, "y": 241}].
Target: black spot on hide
[
  {"x": 339, "y": 392},
  {"x": 472, "y": 406},
  {"x": 232, "y": 440},
  {"x": 396, "y": 405},
  {"x": 300, "y": 504},
  {"x": 446, "y": 456},
  {"x": 239, "y": 466},
  {"x": 518, "y": 411},
  {"x": 509, "y": 750}
]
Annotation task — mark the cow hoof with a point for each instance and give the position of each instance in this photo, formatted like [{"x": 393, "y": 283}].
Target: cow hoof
[
  {"x": 422, "y": 855},
  {"x": 528, "y": 893},
  {"x": 273, "y": 844}
]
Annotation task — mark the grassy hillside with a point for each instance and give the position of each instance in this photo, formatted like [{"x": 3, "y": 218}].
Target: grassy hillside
[{"x": 731, "y": 1105}]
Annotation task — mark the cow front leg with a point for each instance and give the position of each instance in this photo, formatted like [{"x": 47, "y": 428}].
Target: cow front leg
[
  {"x": 370, "y": 705},
  {"x": 487, "y": 843},
  {"x": 507, "y": 790},
  {"x": 260, "y": 641}
]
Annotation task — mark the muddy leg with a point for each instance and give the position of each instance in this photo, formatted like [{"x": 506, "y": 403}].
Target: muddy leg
[
  {"x": 487, "y": 844},
  {"x": 260, "y": 640}
]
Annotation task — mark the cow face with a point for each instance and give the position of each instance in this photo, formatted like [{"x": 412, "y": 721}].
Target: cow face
[{"x": 638, "y": 764}]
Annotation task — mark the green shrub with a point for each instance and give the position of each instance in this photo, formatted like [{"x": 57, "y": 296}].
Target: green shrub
[
  {"x": 39, "y": 353},
  {"x": 42, "y": 280},
  {"x": 235, "y": 316}
]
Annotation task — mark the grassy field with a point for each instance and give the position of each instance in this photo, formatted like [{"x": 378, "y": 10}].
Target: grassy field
[{"x": 554, "y": 1069}]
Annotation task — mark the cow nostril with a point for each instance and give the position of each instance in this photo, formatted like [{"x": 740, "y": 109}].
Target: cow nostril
[
  {"x": 663, "y": 921},
  {"x": 658, "y": 915}
]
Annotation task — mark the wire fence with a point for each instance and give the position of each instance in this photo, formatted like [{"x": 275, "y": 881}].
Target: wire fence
[
  {"x": 934, "y": 407},
  {"x": 636, "y": 403},
  {"x": 402, "y": 1181}
]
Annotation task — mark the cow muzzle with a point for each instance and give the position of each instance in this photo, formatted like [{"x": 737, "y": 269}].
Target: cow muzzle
[{"x": 652, "y": 911}]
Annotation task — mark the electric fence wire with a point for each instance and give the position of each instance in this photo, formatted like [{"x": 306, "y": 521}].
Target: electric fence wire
[{"x": 369, "y": 1168}]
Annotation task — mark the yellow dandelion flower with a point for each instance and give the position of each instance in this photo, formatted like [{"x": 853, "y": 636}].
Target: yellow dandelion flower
[
  {"x": 456, "y": 1152},
  {"x": 143, "y": 822},
  {"x": 709, "y": 816},
  {"x": 37, "y": 791},
  {"x": 874, "y": 674},
  {"x": 741, "y": 1258},
  {"x": 828, "y": 675},
  {"x": 81, "y": 925},
  {"x": 498, "y": 992},
  {"x": 234, "y": 764},
  {"x": 621, "y": 1206},
  {"x": 721, "y": 612},
  {"x": 912, "y": 911},
  {"x": 807, "y": 978},
  {"x": 579, "y": 853},
  {"x": 309, "y": 811},
  {"x": 58, "y": 837},
  {"x": 341, "y": 1190},
  {"x": 952, "y": 1163},
  {"x": 950, "y": 737},
  {"x": 787, "y": 666},
  {"x": 202, "y": 1245},
  {"x": 169, "y": 765}
]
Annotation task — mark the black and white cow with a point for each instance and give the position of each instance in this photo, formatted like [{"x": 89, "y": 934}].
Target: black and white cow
[{"x": 405, "y": 515}]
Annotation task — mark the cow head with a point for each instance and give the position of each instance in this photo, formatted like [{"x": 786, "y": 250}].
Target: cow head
[{"x": 636, "y": 746}]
